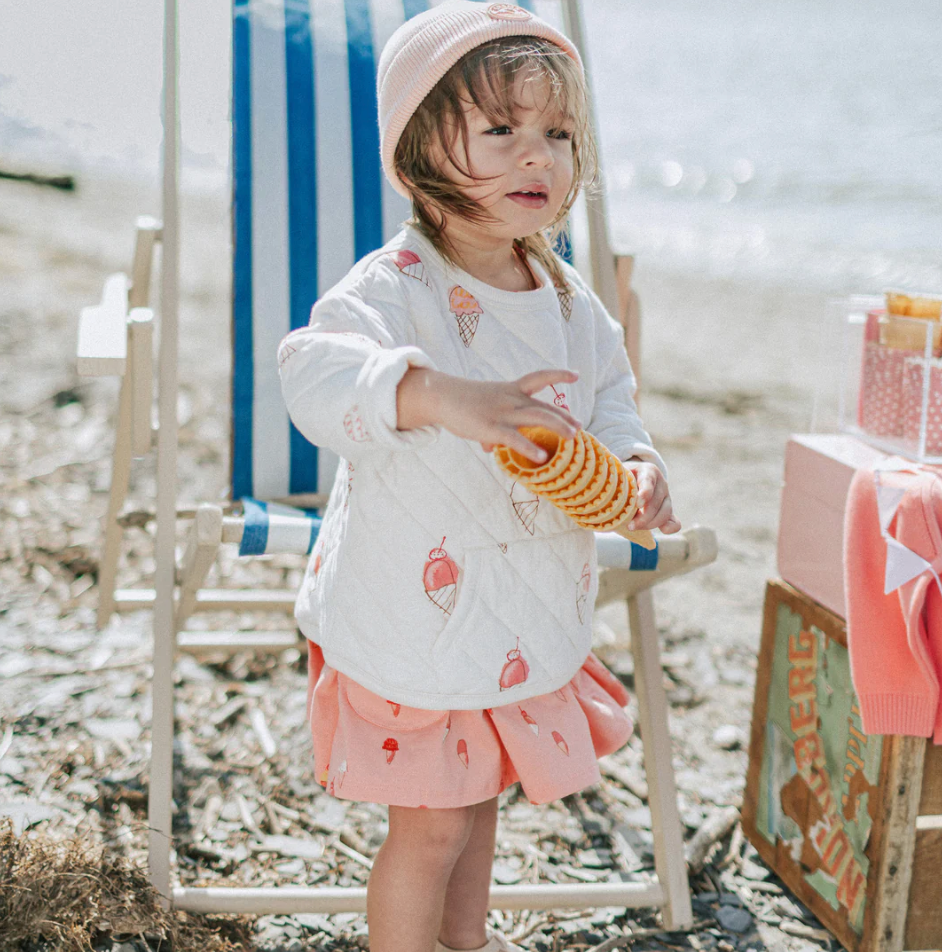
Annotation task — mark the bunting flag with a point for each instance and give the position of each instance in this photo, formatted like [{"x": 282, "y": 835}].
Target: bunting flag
[
  {"x": 902, "y": 564},
  {"x": 888, "y": 500}
]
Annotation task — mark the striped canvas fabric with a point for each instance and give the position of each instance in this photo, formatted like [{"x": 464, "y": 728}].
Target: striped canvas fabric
[
  {"x": 309, "y": 200},
  {"x": 271, "y": 529}
]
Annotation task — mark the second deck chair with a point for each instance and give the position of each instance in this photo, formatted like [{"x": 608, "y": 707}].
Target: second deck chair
[{"x": 306, "y": 206}]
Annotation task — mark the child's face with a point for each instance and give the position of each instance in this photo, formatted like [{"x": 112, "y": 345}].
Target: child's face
[{"x": 526, "y": 166}]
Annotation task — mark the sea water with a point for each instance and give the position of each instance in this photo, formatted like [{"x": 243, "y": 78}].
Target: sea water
[{"x": 783, "y": 140}]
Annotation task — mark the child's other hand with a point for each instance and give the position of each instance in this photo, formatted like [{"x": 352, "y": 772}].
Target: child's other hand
[
  {"x": 654, "y": 502},
  {"x": 491, "y": 412}
]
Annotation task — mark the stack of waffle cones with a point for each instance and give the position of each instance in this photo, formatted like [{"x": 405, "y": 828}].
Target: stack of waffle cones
[
  {"x": 909, "y": 319},
  {"x": 580, "y": 477}
]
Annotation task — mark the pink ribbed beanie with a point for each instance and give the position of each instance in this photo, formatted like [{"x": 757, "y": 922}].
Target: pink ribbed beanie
[{"x": 425, "y": 47}]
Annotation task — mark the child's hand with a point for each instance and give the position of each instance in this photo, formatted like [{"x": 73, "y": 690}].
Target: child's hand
[
  {"x": 489, "y": 412},
  {"x": 654, "y": 502}
]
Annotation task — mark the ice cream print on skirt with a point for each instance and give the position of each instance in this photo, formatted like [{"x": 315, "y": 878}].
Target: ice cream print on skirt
[
  {"x": 390, "y": 745},
  {"x": 440, "y": 578},
  {"x": 529, "y": 720},
  {"x": 467, "y": 311},
  {"x": 515, "y": 669}
]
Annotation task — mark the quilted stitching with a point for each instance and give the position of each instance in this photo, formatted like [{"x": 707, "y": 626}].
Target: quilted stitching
[{"x": 374, "y": 621}]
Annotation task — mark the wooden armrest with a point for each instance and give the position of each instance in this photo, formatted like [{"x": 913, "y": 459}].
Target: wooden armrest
[{"x": 103, "y": 334}]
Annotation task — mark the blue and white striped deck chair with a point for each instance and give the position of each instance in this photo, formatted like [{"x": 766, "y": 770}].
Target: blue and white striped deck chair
[{"x": 309, "y": 199}]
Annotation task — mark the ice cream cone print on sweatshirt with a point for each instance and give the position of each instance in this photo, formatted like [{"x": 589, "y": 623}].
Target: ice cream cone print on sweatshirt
[
  {"x": 410, "y": 264},
  {"x": 467, "y": 311},
  {"x": 515, "y": 669},
  {"x": 525, "y": 505},
  {"x": 565, "y": 296},
  {"x": 582, "y": 591},
  {"x": 441, "y": 578}
]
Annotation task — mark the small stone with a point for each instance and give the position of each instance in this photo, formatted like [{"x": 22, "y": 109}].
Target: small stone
[
  {"x": 729, "y": 737},
  {"x": 314, "y": 921},
  {"x": 506, "y": 873},
  {"x": 734, "y": 919},
  {"x": 594, "y": 859},
  {"x": 754, "y": 871},
  {"x": 735, "y": 674}
]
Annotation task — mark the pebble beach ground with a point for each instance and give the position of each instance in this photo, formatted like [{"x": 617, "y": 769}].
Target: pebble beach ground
[{"x": 726, "y": 377}]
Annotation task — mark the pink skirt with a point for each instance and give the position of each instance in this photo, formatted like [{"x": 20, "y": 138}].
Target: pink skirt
[{"x": 369, "y": 749}]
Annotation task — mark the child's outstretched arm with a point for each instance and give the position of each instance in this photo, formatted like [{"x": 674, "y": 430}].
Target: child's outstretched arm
[
  {"x": 339, "y": 375},
  {"x": 615, "y": 423},
  {"x": 488, "y": 412}
]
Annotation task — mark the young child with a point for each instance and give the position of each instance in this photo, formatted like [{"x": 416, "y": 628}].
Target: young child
[{"x": 448, "y": 609}]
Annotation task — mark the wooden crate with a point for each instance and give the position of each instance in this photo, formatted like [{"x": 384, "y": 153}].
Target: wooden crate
[{"x": 851, "y": 823}]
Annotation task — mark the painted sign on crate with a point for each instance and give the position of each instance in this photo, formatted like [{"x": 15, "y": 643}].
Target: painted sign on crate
[{"x": 813, "y": 786}]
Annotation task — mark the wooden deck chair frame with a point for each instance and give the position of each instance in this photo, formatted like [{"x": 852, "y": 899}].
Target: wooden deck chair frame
[{"x": 115, "y": 337}]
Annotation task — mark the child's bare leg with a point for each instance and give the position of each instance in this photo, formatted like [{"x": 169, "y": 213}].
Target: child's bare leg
[
  {"x": 405, "y": 895},
  {"x": 466, "y": 898}
]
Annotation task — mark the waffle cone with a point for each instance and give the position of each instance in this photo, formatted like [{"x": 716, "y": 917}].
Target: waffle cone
[
  {"x": 581, "y": 478},
  {"x": 622, "y": 507},
  {"x": 584, "y": 486},
  {"x": 600, "y": 499},
  {"x": 561, "y": 453},
  {"x": 540, "y": 484}
]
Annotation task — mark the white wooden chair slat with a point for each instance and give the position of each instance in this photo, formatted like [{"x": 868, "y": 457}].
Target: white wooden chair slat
[{"x": 102, "y": 336}]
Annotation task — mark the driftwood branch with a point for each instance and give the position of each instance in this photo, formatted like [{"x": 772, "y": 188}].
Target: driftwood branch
[
  {"x": 65, "y": 182},
  {"x": 714, "y": 828}
]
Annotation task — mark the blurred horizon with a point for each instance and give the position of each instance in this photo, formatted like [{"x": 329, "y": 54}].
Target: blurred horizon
[{"x": 787, "y": 141}]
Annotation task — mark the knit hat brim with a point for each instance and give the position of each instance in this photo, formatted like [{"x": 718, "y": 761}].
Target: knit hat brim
[{"x": 426, "y": 46}]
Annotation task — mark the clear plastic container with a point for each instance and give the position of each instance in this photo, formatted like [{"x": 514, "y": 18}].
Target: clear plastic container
[{"x": 891, "y": 380}]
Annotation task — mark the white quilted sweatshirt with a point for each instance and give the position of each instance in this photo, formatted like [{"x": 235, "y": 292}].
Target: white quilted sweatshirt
[{"x": 437, "y": 581}]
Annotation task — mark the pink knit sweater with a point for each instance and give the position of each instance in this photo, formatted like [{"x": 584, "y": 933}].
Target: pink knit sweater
[{"x": 895, "y": 640}]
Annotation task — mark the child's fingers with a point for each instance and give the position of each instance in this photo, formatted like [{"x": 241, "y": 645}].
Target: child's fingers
[
  {"x": 531, "y": 383},
  {"x": 654, "y": 516},
  {"x": 528, "y": 449},
  {"x": 647, "y": 487},
  {"x": 540, "y": 414},
  {"x": 672, "y": 525}
]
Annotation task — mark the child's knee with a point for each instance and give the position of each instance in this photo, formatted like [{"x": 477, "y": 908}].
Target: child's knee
[{"x": 442, "y": 832}]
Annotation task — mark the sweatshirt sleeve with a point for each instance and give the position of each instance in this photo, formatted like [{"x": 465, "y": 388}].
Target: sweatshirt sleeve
[
  {"x": 615, "y": 421},
  {"x": 339, "y": 375}
]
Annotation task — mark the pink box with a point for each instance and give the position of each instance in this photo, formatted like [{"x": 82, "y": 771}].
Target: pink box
[{"x": 818, "y": 471}]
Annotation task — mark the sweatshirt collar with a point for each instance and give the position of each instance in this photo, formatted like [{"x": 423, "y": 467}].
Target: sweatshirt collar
[{"x": 543, "y": 296}]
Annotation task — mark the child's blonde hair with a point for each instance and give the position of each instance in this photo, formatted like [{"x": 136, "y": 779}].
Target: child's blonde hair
[{"x": 487, "y": 76}]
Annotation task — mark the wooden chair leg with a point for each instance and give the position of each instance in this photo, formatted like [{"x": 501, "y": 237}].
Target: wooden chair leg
[
  {"x": 120, "y": 476},
  {"x": 201, "y": 548},
  {"x": 669, "y": 860}
]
